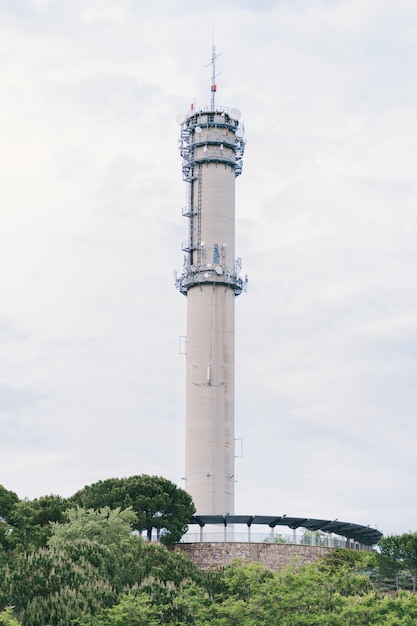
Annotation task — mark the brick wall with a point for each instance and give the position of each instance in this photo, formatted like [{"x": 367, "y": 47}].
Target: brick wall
[{"x": 273, "y": 555}]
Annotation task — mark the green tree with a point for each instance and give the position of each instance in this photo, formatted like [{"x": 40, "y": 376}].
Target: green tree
[
  {"x": 398, "y": 554},
  {"x": 90, "y": 561},
  {"x": 7, "y": 500},
  {"x": 158, "y": 503},
  {"x": 408, "y": 544},
  {"x": 331, "y": 592},
  {"x": 51, "y": 587},
  {"x": 48, "y": 509},
  {"x": 23, "y": 533},
  {"x": 156, "y": 602},
  {"x": 29, "y": 522},
  {"x": 133, "y": 610},
  {"x": 7, "y": 618},
  {"x": 106, "y": 526},
  {"x": 128, "y": 559},
  {"x": 250, "y": 595},
  {"x": 390, "y": 558},
  {"x": 400, "y": 610}
]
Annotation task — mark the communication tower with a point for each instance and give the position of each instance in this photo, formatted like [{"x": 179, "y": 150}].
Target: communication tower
[{"x": 211, "y": 146}]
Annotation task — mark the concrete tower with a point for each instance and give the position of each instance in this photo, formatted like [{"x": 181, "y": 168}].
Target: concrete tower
[{"x": 211, "y": 145}]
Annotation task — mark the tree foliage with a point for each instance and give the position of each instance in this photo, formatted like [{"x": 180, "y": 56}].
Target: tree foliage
[
  {"x": 321, "y": 594},
  {"x": 408, "y": 543},
  {"x": 89, "y": 562},
  {"x": 7, "y": 500},
  {"x": 50, "y": 587},
  {"x": 397, "y": 553},
  {"x": 29, "y": 522},
  {"x": 389, "y": 558},
  {"x": 62, "y": 563},
  {"x": 106, "y": 526},
  {"x": 158, "y": 503},
  {"x": 7, "y": 618}
]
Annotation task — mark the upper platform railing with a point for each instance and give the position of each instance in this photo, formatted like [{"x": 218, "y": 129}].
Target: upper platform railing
[{"x": 350, "y": 532}]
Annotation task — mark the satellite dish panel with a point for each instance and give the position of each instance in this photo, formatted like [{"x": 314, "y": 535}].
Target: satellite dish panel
[
  {"x": 239, "y": 133},
  {"x": 180, "y": 118},
  {"x": 218, "y": 270},
  {"x": 198, "y": 129},
  {"x": 235, "y": 114}
]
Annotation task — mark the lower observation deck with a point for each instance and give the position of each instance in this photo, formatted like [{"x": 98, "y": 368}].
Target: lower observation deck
[{"x": 320, "y": 532}]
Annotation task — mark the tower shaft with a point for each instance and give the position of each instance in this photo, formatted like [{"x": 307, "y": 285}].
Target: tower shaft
[
  {"x": 209, "y": 463},
  {"x": 212, "y": 149}
]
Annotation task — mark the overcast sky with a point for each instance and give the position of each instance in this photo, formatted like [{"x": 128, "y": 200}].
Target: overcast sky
[{"x": 92, "y": 384}]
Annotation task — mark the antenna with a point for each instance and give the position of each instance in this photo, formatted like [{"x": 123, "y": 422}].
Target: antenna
[{"x": 213, "y": 74}]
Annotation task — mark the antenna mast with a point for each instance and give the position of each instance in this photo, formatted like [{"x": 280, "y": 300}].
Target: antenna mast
[{"x": 213, "y": 74}]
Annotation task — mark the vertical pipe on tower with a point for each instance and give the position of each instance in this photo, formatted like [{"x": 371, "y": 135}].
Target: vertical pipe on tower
[{"x": 212, "y": 147}]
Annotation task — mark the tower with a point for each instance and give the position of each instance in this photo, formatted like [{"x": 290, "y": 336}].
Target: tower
[{"x": 211, "y": 146}]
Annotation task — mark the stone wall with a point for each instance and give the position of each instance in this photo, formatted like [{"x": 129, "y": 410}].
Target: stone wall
[{"x": 275, "y": 556}]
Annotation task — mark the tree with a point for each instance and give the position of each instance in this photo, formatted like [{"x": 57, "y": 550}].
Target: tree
[
  {"x": 7, "y": 618},
  {"x": 134, "y": 610},
  {"x": 23, "y": 533},
  {"x": 390, "y": 556},
  {"x": 90, "y": 561},
  {"x": 7, "y": 500},
  {"x": 48, "y": 509},
  {"x": 158, "y": 503},
  {"x": 54, "y": 587},
  {"x": 251, "y": 595},
  {"x": 408, "y": 544},
  {"x": 398, "y": 553},
  {"x": 30, "y": 522},
  {"x": 109, "y": 527},
  {"x": 330, "y": 592}
]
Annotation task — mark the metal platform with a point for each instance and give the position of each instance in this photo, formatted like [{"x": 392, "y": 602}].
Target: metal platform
[{"x": 361, "y": 534}]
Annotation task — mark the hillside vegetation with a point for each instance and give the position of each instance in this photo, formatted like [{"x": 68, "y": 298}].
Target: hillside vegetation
[{"x": 62, "y": 564}]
